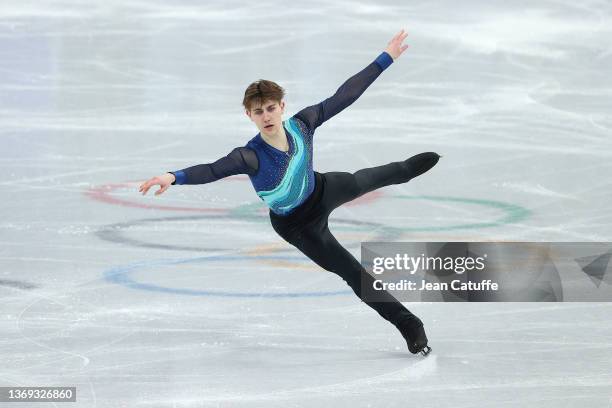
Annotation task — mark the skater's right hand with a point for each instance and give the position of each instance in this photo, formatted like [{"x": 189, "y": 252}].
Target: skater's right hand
[{"x": 164, "y": 181}]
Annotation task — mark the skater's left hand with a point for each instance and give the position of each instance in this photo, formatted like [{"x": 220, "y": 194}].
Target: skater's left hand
[
  {"x": 164, "y": 181},
  {"x": 395, "y": 47}
]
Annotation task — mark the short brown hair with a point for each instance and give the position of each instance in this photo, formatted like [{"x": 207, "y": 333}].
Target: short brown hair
[{"x": 261, "y": 91}]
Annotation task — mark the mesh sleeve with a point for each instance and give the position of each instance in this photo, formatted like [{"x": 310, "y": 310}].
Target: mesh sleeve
[
  {"x": 241, "y": 160},
  {"x": 348, "y": 93}
]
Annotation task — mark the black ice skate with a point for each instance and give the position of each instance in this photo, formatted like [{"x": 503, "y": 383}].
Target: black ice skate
[{"x": 415, "y": 336}]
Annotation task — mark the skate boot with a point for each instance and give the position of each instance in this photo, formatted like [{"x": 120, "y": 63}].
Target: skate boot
[
  {"x": 419, "y": 164},
  {"x": 413, "y": 332}
]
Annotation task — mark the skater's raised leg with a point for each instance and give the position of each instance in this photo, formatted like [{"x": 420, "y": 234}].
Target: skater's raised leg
[
  {"x": 347, "y": 186},
  {"x": 370, "y": 179}
]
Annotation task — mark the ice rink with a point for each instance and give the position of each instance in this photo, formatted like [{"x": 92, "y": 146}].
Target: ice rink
[{"x": 190, "y": 299}]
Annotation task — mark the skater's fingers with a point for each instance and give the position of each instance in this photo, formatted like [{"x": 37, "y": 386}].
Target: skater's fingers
[
  {"x": 146, "y": 186},
  {"x": 394, "y": 37}
]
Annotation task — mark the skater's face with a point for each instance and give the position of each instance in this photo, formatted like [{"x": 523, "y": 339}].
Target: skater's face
[{"x": 268, "y": 116}]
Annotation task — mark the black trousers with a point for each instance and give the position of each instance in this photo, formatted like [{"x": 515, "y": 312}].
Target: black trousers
[{"x": 306, "y": 227}]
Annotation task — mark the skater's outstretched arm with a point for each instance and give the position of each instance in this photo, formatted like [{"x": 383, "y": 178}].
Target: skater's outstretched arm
[
  {"x": 241, "y": 160},
  {"x": 356, "y": 85}
]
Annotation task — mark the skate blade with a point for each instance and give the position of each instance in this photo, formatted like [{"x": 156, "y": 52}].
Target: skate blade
[{"x": 425, "y": 351}]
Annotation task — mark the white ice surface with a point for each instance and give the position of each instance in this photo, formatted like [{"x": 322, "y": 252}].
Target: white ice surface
[{"x": 96, "y": 98}]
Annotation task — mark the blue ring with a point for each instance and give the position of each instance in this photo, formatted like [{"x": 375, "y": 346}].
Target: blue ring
[{"x": 121, "y": 275}]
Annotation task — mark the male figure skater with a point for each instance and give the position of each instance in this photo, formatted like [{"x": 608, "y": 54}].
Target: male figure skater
[{"x": 278, "y": 161}]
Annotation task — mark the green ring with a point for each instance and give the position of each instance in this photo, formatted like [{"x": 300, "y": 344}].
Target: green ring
[{"x": 513, "y": 213}]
